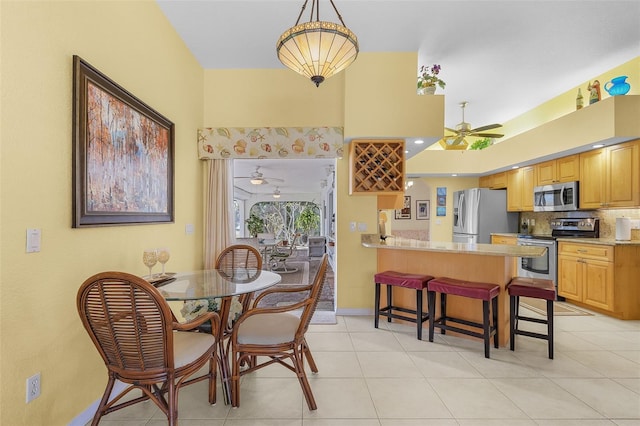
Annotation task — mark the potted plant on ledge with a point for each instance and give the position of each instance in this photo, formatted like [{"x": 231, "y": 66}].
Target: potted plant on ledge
[{"x": 428, "y": 79}]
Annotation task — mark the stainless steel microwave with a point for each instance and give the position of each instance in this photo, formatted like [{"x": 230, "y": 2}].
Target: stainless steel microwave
[{"x": 558, "y": 197}]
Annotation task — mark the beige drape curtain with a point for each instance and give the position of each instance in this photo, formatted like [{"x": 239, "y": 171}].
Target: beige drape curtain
[{"x": 218, "y": 209}]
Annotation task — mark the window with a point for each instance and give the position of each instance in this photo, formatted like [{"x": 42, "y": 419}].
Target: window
[{"x": 282, "y": 218}]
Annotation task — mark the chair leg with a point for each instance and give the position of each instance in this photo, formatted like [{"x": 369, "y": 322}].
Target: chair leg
[
  {"x": 496, "y": 323},
  {"x": 104, "y": 400},
  {"x": 235, "y": 379},
  {"x": 513, "y": 300},
  {"x": 213, "y": 365},
  {"x": 389, "y": 303},
  {"x": 431, "y": 303},
  {"x": 419, "y": 313},
  {"x": 309, "y": 356},
  {"x": 302, "y": 378},
  {"x": 376, "y": 318},
  {"x": 173, "y": 402},
  {"x": 550, "y": 327},
  {"x": 443, "y": 311},
  {"x": 487, "y": 326}
]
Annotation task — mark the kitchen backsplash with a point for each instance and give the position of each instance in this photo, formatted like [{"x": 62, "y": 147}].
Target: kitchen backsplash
[{"x": 607, "y": 220}]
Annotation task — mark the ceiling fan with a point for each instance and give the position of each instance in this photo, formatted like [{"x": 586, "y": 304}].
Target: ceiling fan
[
  {"x": 257, "y": 178},
  {"x": 463, "y": 129}
]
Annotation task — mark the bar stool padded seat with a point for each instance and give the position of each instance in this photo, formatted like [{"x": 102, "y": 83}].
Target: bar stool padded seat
[
  {"x": 486, "y": 292},
  {"x": 535, "y": 288},
  {"x": 417, "y": 282}
]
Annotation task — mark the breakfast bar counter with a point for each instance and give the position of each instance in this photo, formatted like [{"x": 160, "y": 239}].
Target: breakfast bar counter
[{"x": 488, "y": 263}]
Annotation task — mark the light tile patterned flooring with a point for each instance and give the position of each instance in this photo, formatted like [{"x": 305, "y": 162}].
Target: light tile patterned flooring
[{"x": 387, "y": 377}]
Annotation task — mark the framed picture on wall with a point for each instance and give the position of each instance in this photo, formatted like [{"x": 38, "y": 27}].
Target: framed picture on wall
[
  {"x": 422, "y": 209},
  {"x": 122, "y": 155},
  {"x": 405, "y": 212}
]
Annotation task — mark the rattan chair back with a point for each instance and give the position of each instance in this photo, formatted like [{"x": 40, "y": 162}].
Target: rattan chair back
[
  {"x": 239, "y": 256},
  {"x": 132, "y": 327}
]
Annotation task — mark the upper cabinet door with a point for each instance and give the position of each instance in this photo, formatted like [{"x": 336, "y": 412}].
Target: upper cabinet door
[
  {"x": 565, "y": 169},
  {"x": 610, "y": 177},
  {"x": 623, "y": 175}
]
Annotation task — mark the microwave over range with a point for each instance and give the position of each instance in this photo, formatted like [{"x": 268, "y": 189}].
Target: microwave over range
[{"x": 558, "y": 197}]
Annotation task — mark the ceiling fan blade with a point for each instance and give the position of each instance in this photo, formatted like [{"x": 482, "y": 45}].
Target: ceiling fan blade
[
  {"x": 487, "y": 135},
  {"x": 451, "y": 130},
  {"x": 487, "y": 127},
  {"x": 458, "y": 140}
]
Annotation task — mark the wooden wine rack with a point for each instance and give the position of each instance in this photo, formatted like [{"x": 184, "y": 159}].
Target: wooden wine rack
[{"x": 376, "y": 166}]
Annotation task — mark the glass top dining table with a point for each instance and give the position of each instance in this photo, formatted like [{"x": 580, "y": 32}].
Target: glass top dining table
[
  {"x": 223, "y": 284},
  {"x": 214, "y": 283}
]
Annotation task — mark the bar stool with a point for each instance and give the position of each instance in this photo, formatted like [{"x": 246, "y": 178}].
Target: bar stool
[
  {"x": 538, "y": 289},
  {"x": 400, "y": 279},
  {"x": 484, "y": 291}
]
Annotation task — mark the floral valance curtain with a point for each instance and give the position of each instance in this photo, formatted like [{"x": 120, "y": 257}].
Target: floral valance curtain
[{"x": 270, "y": 142}]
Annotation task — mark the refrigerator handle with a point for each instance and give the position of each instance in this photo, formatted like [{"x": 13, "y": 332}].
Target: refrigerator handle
[{"x": 461, "y": 210}]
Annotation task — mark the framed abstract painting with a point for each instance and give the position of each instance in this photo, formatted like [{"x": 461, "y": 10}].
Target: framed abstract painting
[{"x": 123, "y": 172}]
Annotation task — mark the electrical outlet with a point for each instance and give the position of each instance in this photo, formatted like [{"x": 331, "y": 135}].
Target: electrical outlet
[{"x": 33, "y": 387}]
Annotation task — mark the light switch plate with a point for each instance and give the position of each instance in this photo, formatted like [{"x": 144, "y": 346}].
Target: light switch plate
[{"x": 33, "y": 240}]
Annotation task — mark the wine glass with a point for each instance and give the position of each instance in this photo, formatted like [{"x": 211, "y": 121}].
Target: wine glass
[
  {"x": 163, "y": 257},
  {"x": 150, "y": 258}
]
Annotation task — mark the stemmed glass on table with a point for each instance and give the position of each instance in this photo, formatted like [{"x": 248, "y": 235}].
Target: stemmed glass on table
[
  {"x": 163, "y": 257},
  {"x": 150, "y": 258}
]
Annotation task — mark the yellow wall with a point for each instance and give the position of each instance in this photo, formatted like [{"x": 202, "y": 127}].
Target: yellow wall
[
  {"x": 565, "y": 103},
  {"x": 132, "y": 43}
]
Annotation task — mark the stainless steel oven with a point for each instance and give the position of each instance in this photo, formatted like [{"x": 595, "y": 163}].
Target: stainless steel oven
[{"x": 545, "y": 266}]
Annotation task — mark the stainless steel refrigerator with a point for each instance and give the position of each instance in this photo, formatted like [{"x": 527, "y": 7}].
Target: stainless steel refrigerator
[{"x": 479, "y": 212}]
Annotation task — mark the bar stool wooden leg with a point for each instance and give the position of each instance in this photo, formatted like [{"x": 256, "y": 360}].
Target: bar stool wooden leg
[
  {"x": 513, "y": 314},
  {"x": 550, "y": 326},
  {"x": 419, "y": 313},
  {"x": 431, "y": 303},
  {"x": 376, "y": 319},
  {"x": 389, "y": 295}
]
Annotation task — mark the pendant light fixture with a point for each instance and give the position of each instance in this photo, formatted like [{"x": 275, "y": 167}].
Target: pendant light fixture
[
  {"x": 317, "y": 49},
  {"x": 276, "y": 193}
]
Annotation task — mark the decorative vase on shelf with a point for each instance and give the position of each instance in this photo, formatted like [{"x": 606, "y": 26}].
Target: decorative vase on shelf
[
  {"x": 428, "y": 90},
  {"x": 617, "y": 86}
]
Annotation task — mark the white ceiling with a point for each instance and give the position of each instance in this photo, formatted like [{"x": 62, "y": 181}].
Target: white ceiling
[
  {"x": 303, "y": 176},
  {"x": 504, "y": 57}
]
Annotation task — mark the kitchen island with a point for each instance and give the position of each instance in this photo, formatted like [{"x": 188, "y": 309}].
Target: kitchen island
[{"x": 489, "y": 263}]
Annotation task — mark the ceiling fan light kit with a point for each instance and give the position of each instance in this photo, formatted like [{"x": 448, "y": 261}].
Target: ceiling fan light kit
[
  {"x": 257, "y": 178},
  {"x": 464, "y": 129},
  {"x": 317, "y": 49}
]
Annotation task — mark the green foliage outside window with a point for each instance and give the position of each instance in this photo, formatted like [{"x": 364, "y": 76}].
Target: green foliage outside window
[{"x": 281, "y": 218}]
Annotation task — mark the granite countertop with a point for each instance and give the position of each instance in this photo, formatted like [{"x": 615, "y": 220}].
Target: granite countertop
[
  {"x": 373, "y": 241},
  {"x": 601, "y": 241}
]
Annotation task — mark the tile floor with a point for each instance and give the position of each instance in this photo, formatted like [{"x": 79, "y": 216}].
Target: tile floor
[{"x": 387, "y": 377}]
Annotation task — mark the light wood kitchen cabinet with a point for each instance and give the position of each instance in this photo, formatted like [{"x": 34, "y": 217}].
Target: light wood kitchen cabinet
[
  {"x": 601, "y": 277},
  {"x": 510, "y": 240},
  {"x": 376, "y": 167},
  {"x": 585, "y": 274},
  {"x": 520, "y": 183},
  {"x": 610, "y": 177},
  {"x": 494, "y": 181},
  {"x": 565, "y": 169},
  {"x": 504, "y": 239}
]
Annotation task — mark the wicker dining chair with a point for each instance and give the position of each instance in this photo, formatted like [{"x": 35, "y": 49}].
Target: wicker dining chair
[
  {"x": 277, "y": 334},
  {"x": 240, "y": 257},
  {"x": 142, "y": 343}
]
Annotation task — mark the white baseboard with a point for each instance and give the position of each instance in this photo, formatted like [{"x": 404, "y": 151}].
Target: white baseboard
[{"x": 354, "y": 312}]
